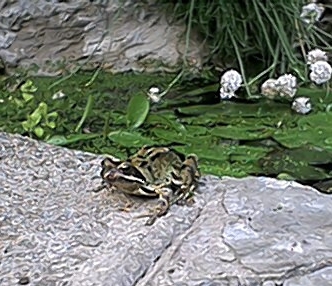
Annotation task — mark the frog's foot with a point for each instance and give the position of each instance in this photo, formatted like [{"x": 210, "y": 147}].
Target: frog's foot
[
  {"x": 161, "y": 208},
  {"x": 99, "y": 188},
  {"x": 184, "y": 196},
  {"x": 127, "y": 204},
  {"x": 127, "y": 207},
  {"x": 186, "y": 200}
]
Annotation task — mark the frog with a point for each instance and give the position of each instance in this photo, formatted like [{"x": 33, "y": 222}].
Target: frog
[{"x": 159, "y": 172}]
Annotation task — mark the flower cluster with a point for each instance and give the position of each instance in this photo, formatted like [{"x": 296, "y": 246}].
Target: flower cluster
[
  {"x": 301, "y": 105},
  {"x": 154, "y": 94},
  {"x": 321, "y": 72},
  {"x": 285, "y": 86},
  {"x": 312, "y": 13},
  {"x": 320, "y": 69},
  {"x": 230, "y": 82},
  {"x": 315, "y": 56}
]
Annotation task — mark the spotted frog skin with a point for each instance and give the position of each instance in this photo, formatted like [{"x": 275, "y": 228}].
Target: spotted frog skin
[{"x": 153, "y": 172}]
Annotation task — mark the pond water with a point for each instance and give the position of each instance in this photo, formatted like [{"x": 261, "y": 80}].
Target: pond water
[{"x": 235, "y": 138}]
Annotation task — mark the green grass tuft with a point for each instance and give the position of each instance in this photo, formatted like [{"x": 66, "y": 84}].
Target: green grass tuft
[{"x": 259, "y": 35}]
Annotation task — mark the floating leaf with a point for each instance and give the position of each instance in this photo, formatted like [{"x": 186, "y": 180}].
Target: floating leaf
[
  {"x": 130, "y": 139},
  {"x": 310, "y": 154},
  {"x": 222, "y": 153},
  {"x": 313, "y": 129},
  {"x": 208, "y": 152},
  {"x": 277, "y": 162},
  {"x": 245, "y": 153},
  {"x": 232, "y": 109},
  {"x": 167, "y": 120},
  {"x": 170, "y": 136},
  {"x": 228, "y": 169},
  {"x": 241, "y": 133},
  {"x": 195, "y": 130},
  {"x": 214, "y": 168},
  {"x": 137, "y": 111}
]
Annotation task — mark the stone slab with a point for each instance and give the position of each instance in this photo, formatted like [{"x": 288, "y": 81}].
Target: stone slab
[{"x": 55, "y": 231}]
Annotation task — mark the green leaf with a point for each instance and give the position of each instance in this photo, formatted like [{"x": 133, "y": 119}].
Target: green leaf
[
  {"x": 242, "y": 133},
  {"x": 313, "y": 129},
  {"x": 39, "y": 131},
  {"x": 52, "y": 115},
  {"x": 310, "y": 154},
  {"x": 167, "y": 120},
  {"x": 61, "y": 140},
  {"x": 278, "y": 162},
  {"x": 130, "y": 139},
  {"x": 51, "y": 124},
  {"x": 207, "y": 152},
  {"x": 19, "y": 102},
  {"x": 137, "y": 111},
  {"x": 232, "y": 109},
  {"x": 26, "y": 126},
  {"x": 28, "y": 87},
  {"x": 223, "y": 153},
  {"x": 194, "y": 130},
  {"x": 38, "y": 113},
  {"x": 246, "y": 154},
  {"x": 170, "y": 136},
  {"x": 27, "y": 96},
  {"x": 214, "y": 167},
  {"x": 34, "y": 118},
  {"x": 286, "y": 177},
  {"x": 87, "y": 111}
]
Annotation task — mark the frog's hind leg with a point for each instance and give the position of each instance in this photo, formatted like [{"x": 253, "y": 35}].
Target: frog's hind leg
[{"x": 162, "y": 206}]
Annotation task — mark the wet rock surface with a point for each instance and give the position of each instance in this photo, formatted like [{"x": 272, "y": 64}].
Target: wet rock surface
[
  {"x": 49, "y": 37},
  {"x": 55, "y": 231}
]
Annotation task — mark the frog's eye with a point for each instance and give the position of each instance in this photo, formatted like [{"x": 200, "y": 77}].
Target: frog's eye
[
  {"x": 124, "y": 166},
  {"x": 110, "y": 162}
]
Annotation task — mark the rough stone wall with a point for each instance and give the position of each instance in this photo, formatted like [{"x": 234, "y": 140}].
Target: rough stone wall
[{"x": 54, "y": 35}]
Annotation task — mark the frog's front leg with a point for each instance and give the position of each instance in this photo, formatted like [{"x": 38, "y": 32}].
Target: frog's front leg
[{"x": 162, "y": 206}]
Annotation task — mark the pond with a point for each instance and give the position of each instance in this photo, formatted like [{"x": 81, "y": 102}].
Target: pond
[{"x": 237, "y": 138}]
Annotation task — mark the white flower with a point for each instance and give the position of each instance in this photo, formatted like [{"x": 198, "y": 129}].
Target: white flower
[
  {"x": 58, "y": 95},
  {"x": 154, "y": 94},
  {"x": 301, "y": 105},
  {"x": 154, "y": 90},
  {"x": 269, "y": 88},
  {"x": 286, "y": 85},
  {"x": 230, "y": 81},
  {"x": 312, "y": 12},
  {"x": 321, "y": 72},
  {"x": 226, "y": 94},
  {"x": 315, "y": 56}
]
